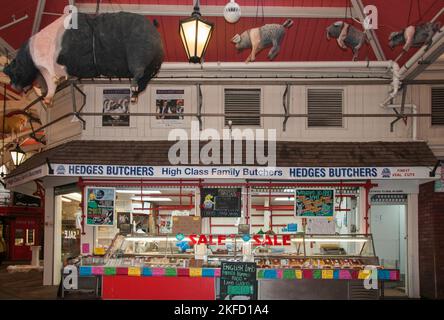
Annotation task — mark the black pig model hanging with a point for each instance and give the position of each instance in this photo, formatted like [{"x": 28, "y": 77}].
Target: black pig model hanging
[
  {"x": 123, "y": 45},
  {"x": 260, "y": 38},
  {"x": 414, "y": 36},
  {"x": 347, "y": 36}
]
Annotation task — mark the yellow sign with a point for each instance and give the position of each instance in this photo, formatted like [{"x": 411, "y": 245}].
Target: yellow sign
[
  {"x": 133, "y": 271},
  {"x": 195, "y": 272},
  {"x": 298, "y": 274},
  {"x": 327, "y": 274},
  {"x": 99, "y": 251},
  {"x": 364, "y": 274}
]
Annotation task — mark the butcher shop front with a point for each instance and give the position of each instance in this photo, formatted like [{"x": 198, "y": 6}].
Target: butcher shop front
[{"x": 312, "y": 227}]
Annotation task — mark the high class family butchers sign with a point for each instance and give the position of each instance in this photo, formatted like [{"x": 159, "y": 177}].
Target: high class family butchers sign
[{"x": 223, "y": 172}]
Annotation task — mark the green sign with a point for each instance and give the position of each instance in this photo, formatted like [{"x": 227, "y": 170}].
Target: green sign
[{"x": 315, "y": 202}]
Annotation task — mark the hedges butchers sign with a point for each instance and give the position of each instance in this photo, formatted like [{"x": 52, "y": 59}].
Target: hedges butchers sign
[{"x": 282, "y": 173}]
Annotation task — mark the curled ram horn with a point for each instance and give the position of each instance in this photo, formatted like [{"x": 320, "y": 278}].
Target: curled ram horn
[{"x": 236, "y": 38}]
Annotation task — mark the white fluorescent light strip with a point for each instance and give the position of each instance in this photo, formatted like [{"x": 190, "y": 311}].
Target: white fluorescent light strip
[
  {"x": 66, "y": 199},
  {"x": 138, "y": 191},
  {"x": 73, "y": 196},
  {"x": 284, "y": 199},
  {"x": 154, "y": 199}
]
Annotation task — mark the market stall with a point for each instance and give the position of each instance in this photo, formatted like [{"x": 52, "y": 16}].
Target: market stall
[{"x": 286, "y": 267}]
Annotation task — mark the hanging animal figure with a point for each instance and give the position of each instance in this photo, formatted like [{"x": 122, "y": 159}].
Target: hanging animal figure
[
  {"x": 347, "y": 36},
  {"x": 122, "y": 45},
  {"x": 17, "y": 121},
  {"x": 260, "y": 38},
  {"x": 414, "y": 36}
]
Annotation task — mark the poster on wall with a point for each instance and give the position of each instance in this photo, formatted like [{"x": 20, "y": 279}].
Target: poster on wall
[
  {"x": 320, "y": 226},
  {"x": 100, "y": 206},
  {"x": 165, "y": 224},
  {"x": 170, "y": 106},
  {"x": 314, "y": 202},
  {"x": 141, "y": 223},
  {"x": 238, "y": 281},
  {"x": 220, "y": 202},
  {"x": 116, "y": 101}
]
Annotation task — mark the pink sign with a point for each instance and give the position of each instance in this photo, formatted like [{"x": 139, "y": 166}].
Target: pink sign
[{"x": 85, "y": 248}]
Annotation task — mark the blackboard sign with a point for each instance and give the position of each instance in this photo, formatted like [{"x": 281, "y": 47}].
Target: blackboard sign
[
  {"x": 224, "y": 202},
  {"x": 315, "y": 202},
  {"x": 238, "y": 281},
  {"x": 20, "y": 199}
]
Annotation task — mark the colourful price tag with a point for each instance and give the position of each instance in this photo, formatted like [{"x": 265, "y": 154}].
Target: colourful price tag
[
  {"x": 99, "y": 251},
  {"x": 364, "y": 274},
  {"x": 195, "y": 272},
  {"x": 327, "y": 274},
  {"x": 298, "y": 274},
  {"x": 134, "y": 271}
]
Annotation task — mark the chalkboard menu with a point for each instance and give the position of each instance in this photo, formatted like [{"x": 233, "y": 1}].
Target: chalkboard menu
[
  {"x": 220, "y": 202},
  {"x": 314, "y": 202},
  {"x": 238, "y": 281}
]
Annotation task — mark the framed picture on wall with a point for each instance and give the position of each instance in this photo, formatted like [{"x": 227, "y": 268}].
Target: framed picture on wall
[
  {"x": 170, "y": 104},
  {"x": 116, "y": 101}
]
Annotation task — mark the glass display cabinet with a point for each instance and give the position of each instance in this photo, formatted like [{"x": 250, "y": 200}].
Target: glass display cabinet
[
  {"x": 319, "y": 252},
  {"x": 268, "y": 251}
]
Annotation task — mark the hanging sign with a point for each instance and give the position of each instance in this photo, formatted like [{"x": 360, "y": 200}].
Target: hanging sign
[
  {"x": 238, "y": 281},
  {"x": 235, "y": 172},
  {"x": 100, "y": 206},
  {"x": 220, "y": 202},
  {"x": 314, "y": 202}
]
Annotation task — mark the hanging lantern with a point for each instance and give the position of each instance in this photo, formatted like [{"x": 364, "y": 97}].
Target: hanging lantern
[
  {"x": 195, "y": 34},
  {"x": 232, "y": 12},
  {"x": 17, "y": 155}
]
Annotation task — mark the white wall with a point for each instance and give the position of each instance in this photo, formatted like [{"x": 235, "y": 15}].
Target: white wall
[{"x": 388, "y": 229}]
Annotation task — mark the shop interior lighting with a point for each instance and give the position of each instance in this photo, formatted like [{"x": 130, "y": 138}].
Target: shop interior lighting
[
  {"x": 138, "y": 191},
  {"x": 73, "y": 196},
  {"x": 284, "y": 199},
  {"x": 66, "y": 199},
  {"x": 154, "y": 199}
]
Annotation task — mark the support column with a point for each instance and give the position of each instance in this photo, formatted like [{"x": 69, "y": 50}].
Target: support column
[
  {"x": 48, "y": 261},
  {"x": 412, "y": 246}
]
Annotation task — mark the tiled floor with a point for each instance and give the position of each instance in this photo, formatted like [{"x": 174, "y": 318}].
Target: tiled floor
[{"x": 24, "y": 286}]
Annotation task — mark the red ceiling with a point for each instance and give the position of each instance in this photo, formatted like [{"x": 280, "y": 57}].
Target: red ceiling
[{"x": 305, "y": 41}]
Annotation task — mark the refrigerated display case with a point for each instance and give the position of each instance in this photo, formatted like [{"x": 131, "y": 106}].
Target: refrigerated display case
[{"x": 288, "y": 266}]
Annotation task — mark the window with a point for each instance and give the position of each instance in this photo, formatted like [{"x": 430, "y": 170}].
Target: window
[
  {"x": 244, "y": 107},
  {"x": 324, "y": 107},
  {"x": 438, "y": 106}
]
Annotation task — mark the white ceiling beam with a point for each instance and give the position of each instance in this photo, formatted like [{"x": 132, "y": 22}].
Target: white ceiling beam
[
  {"x": 371, "y": 34},
  {"x": 38, "y": 16},
  {"x": 217, "y": 11}
]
